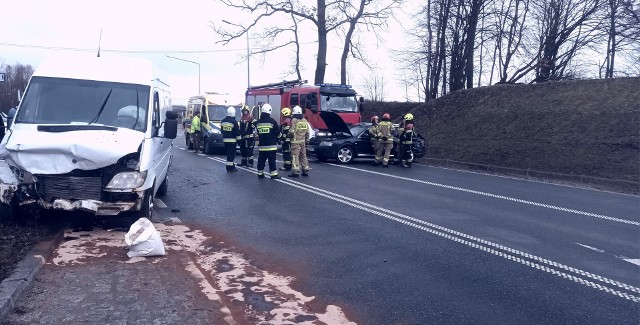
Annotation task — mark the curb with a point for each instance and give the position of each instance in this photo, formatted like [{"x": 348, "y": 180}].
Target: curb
[{"x": 12, "y": 288}]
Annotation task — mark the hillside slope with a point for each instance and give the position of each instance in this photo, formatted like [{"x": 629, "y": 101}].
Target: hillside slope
[{"x": 580, "y": 127}]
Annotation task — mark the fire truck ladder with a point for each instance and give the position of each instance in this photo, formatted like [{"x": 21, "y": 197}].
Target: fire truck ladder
[{"x": 282, "y": 84}]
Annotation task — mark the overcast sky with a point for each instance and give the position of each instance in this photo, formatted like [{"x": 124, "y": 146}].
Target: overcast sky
[{"x": 174, "y": 28}]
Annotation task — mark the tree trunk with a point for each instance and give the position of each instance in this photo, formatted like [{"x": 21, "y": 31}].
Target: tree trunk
[{"x": 321, "y": 62}]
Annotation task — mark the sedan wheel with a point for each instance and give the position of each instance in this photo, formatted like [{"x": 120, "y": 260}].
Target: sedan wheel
[{"x": 345, "y": 155}]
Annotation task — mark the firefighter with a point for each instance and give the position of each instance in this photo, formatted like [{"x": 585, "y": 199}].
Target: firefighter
[
  {"x": 385, "y": 141},
  {"x": 248, "y": 141},
  {"x": 285, "y": 140},
  {"x": 268, "y": 132},
  {"x": 230, "y": 137},
  {"x": 196, "y": 133},
  {"x": 399, "y": 150},
  {"x": 373, "y": 132},
  {"x": 406, "y": 141},
  {"x": 299, "y": 134}
]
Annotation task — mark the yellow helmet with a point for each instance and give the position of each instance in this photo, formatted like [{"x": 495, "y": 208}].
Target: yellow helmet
[
  {"x": 286, "y": 111},
  {"x": 408, "y": 117},
  {"x": 245, "y": 108}
]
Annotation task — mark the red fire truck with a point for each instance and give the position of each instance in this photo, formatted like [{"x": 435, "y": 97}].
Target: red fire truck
[{"x": 315, "y": 100}]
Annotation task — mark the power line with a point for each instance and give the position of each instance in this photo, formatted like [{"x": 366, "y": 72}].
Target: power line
[{"x": 61, "y": 48}]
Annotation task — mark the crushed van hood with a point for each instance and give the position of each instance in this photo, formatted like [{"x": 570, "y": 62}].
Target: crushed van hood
[{"x": 42, "y": 152}]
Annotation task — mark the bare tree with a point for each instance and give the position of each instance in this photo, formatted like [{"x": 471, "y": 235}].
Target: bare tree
[
  {"x": 622, "y": 31},
  {"x": 16, "y": 79},
  {"x": 326, "y": 18},
  {"x": 373, "y": 87}
]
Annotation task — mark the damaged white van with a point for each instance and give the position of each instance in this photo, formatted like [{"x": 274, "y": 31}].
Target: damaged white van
[{"x": 91, "y": 133}]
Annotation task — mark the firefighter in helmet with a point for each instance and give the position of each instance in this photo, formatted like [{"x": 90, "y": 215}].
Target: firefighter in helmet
[
  {"x": 385, "y": 141},
  {"x": 268, "y": 132},
  {"x": 248, "y": 141},
  {"x": 299, "y": 134},
  {"x": 230, "y": 137},
  {"x": 285, "y": 140},
  {"x": 373, "y": 132},
  {"x": 406, "y": 141},
  {"x": 399, "y": 150}
]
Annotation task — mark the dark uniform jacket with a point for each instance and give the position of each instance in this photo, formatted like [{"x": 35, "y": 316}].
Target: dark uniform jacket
[
  {"x": 247, "y": 125},
  {"x": 284, "y": 133},
  {"x": 230, "y": 129},
  {"x": 268, "y": 132}
]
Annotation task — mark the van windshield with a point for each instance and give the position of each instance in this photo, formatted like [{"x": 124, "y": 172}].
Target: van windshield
[
  {"x": 81, "y": 102},
  {"x": 217, "y": 112}
]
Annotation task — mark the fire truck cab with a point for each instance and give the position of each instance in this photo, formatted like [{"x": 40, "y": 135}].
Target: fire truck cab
[{"x": 313, "y": 99}]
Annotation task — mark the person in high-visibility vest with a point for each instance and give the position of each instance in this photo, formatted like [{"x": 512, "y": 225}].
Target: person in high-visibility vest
[
  {"x": 230, "y": 137},
  {"x": 268, "y": 131},
  {"x": 285, "y": 140},
  {"x": 196, "y": 133},
  {"x": 385, "y": 141},
  {"x": 299, "y": 134},
  {"x": 247, "y": 127}
]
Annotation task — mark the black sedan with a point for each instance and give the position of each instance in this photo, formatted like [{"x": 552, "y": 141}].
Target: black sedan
[{"x": 346, "y": 144}]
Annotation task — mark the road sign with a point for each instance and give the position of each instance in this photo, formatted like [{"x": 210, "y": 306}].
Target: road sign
[{"x": 1, "y": 77}]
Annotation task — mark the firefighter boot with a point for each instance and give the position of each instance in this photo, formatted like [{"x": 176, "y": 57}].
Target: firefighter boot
[
  {"x": 375, "y": 163},
  {"x": 294, "y": 175},
  {"x": 243, "y": 162},
  {"x": 305, "y": 173},
  {"x": 250, "y": 163}
]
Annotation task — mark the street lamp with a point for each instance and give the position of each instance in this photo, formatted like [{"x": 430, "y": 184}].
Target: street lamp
[
  {"x": 190, "y": 62},
  {"x": 246, "y": 32}
]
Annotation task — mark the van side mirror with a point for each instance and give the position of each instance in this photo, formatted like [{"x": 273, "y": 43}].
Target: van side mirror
[{"x": 171, "y": 125}]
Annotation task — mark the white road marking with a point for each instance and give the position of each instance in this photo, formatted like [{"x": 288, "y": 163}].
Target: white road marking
[
  {"x": 591, "y": 248},
  {"x": 635, "y": 261},
  {"x": 497, "y": 196},
  {"x": 480, "y": 244},
  {"x": 160, "y": 203}
]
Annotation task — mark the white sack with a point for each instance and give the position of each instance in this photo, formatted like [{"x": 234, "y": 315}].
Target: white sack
[{"x": 143, "y": 239}]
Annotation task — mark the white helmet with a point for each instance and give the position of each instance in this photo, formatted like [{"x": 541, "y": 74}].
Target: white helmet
[
  {"x": 297, "y": 110},
  {"x": 266, "y": 108},
  {"x": 231, "y": 111}
]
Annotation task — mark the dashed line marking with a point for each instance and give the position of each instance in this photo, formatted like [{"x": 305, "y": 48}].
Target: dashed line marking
[
  {"x": 480, "y": 244},
  {"x": 635, "y": 261},
  {"x": 497, "y": 196},
  {"x": 591, "y": 248}
]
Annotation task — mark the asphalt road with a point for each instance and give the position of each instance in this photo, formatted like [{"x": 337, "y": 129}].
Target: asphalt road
[{"x": 426, "y": 245}]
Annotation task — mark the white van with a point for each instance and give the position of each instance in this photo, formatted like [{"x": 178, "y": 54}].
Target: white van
[{"x": 91, "y": 133}]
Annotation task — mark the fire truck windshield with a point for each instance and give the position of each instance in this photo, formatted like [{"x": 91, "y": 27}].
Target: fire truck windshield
[{"x": 337, "y": 103}]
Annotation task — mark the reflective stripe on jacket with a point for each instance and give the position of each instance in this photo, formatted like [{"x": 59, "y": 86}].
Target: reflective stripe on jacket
[{"x": 299, "y": 131}]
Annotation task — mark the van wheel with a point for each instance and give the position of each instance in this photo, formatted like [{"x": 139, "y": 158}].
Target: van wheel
[
  {"x": 187, "y": 140},
  {"x": 146, "y": 211},
  {"x": 8, "y": 214},
  {"x": 162, "y": 190},
  {"x": 208, "y": 148}
]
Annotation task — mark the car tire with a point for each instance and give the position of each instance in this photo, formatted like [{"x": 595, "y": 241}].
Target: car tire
[
  {"x": 162, "y": 190},
  {"x": 146, "y": 211},
  {"x": 345, "y": 155}
]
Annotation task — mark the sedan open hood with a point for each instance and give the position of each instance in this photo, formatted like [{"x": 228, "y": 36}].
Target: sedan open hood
[
  {"x": 47, "y": 149},
  {"x": 334, "y": 122}
]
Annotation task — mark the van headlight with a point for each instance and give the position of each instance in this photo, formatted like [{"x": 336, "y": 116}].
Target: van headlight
[
  {"x": 326, "y": 144},
  {"x": 127, "y": 180},
  {"x": 215, "y": 131}
]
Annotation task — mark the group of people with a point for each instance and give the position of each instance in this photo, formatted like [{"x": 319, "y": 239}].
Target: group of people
[
  {"x": 293, "y": 135},
  {"x": 381, "y": 133}
]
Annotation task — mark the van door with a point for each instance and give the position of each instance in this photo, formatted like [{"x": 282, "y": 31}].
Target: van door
[{"x": 158, "y": 156}]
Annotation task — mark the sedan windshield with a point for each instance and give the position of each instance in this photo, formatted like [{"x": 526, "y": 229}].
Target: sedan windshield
[
  {"x": 83, "y": 102},
  {"x": 337, "y": 103},
  {"x": 357, "y": 129}
]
